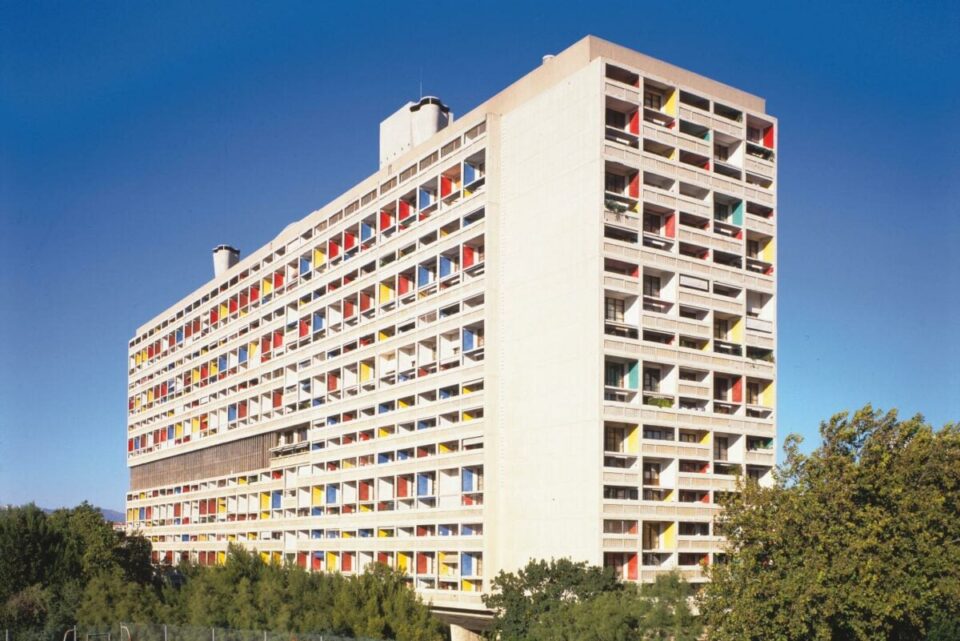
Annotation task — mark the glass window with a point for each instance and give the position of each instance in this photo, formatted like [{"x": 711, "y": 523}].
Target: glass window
[
  {"x": 614, "y": 309},
  {"x": 651, "y": 379},
  {"x": 613, "y": 439},
  {"x": 651, "y": 286},
  {"x": 614, "y": 375}
]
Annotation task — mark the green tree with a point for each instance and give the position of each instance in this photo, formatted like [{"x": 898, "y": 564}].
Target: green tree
[
  {"x": 859, "y": 540},
  {"x": 670, "y": 615},
  {"x": 659, "y": 610},
  {"x": 567, "y": 601},
  {"x": 379, "y": 604},
  {"x": 109, "y": 597},
  {"x": 26, "y": 609},
  {"x": 89, "y": 540},
  {"x": 522, "y": 599},
  {"x": 609, "y": 616},
  {"x": 31, "y": 550}
]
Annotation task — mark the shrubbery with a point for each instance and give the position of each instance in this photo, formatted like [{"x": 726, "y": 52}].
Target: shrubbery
[{"x": 71, "y": 567}]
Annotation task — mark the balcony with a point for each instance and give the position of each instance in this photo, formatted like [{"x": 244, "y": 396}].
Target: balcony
[
  {"x": 724, "y": 169},
  {"x": 626, "y": 236},
  {"x": 760, "y": 354},
  {"x": 657, "y": 399},
  {"x": 757, "y": 180},
  {"x": 622, "y": 123},
  {"x": 617, "y": 213},
  {"x": 616, "y": 394},
  {"x": 621, "y": 187},
  {"x": 695, "y": 160},
  {"x": 620, "y": 329},
  {"x": 659, "y": 106},
  {"x": 759, "y": 325},
  {"x": 727, "y": 259},
  {"x": 658, "y": 495},
  {"x": 621, "y": 268},
  {"x": 621, "y": 137},
  {"x": 728, "y": 348},
  {"x": 656, "y": 305},
  {"x": 758, "y": 266},
  {"x": 761, "y": 153}
]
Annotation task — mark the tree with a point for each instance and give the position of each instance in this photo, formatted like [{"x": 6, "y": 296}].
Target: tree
[
  {"x": 30, "y": 550},
  {"x": 379, "y": 604},
  {"x": 670, "y": 616},
  {"x": 26, "y": 609},
  {"x": 109, "y": 597},
  {"x": 47, "y": 563},
  {"x": 660, "y": 610},
  {"x": 859, "y": 540},
  {"x": 247, "y": 593},
  {"x": 522, "y": 599}
]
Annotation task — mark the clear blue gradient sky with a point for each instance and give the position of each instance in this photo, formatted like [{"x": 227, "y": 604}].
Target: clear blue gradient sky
[{"x": 134, "y": 136}]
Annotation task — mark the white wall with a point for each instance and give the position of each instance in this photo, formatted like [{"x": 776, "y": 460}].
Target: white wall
[{"x": 545, "y": 369}]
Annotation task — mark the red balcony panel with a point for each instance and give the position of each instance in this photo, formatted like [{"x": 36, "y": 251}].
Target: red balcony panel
[{"x": 670, "y": 228}]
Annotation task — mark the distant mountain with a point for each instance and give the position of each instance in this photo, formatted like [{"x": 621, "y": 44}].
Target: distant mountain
[{"x": 114, "y": 516}]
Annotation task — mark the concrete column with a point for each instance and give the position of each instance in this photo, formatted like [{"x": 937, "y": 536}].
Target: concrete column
[{"x": 460, "y": 633}]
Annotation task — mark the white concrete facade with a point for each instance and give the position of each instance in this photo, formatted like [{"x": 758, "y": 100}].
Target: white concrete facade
[{"x": 548, "y": 330}]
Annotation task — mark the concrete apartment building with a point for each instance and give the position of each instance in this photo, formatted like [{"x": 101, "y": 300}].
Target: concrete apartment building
[{"x": 543, "y": 329}]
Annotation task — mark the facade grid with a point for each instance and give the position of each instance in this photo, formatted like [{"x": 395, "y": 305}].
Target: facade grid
[{"x": 547, "y": 330}]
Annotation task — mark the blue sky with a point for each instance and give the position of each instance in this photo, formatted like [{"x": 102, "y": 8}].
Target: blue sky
[{"x": 136, "y": 136}]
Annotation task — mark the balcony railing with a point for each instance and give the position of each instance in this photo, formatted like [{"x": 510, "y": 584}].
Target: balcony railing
[
  {"x": 619, "y": 329},
  {"x": 759, "y": 325},
  {"x": 724, "y": 347}
]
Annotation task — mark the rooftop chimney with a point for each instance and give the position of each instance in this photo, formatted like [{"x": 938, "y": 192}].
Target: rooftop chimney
[
  {"x": 411, "y": 125},
  {"x": 224, "y": 257}
]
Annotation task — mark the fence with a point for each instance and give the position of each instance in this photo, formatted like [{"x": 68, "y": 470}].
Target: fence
[{"x": 161, "y": 632}]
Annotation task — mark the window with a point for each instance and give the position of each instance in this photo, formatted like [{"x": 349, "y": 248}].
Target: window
[
  {"x": 611, "y": 526},
  {"x": 721, "y": 152},
  {"x": 755, "y": 473},
  {"x": 753, "y": 248},
  {"x": 614, "y": 375},
  {"x": 620, "y": 493},
  {"x": 651, "y": 223},
  {"x": 721, "y": 448},
  {"x": 721, "y": 212},
  {"x": 651, "y": 474},
  {"x": 754, "y": 134},
  {"x": 615, "y": 183},
  {"x": 651, "y": 379},
  {"x": 651, "y": 286},
  {"x": 616, "y": 119},
  {"x": 694, "y": 529},
  {"x": 691, "y": 558},
  {"x": 652, "y": 100},
  {"x": 722, "y": 386},
  {"x": 689, "y": 437},
  {"x": 658, "y": 433},
  {"x": 721, "y": 326},
  {"x": 651, "y": 537},
  {"x": 753, "y": 393},
  {"x": 613, "y": 439},
  {"x": 614, "y": 309}
]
